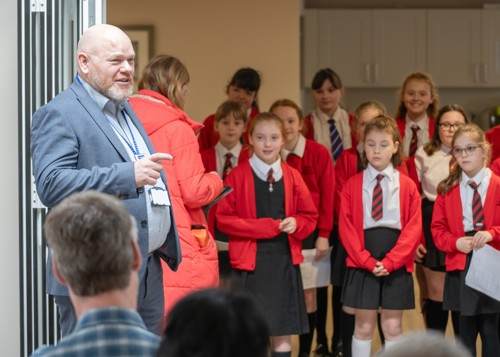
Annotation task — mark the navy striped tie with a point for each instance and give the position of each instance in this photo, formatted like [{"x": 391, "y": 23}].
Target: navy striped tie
[
  {"x": 477, "y": 208},
  {"x": 335, "y": 139},
  {"x": 377, "y": 206}
]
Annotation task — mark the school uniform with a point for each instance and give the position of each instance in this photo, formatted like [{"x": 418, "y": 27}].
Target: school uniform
[
  {"x": 214, "y": 159},
  {"x": 495, "y": 167},
  {"x": 425, "y": 132},
  {"x": 316, "y": 128},
  {"x": 452, "y": 219},
  {"x": 265, "y": 259},
  {"x": 208, "y": 137},
  {"x": 392, "y": 240},
  {"x": 431, "y": 170}
]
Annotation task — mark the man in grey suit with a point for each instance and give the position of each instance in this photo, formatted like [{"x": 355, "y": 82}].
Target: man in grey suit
[{"x": 88, "y": 137}]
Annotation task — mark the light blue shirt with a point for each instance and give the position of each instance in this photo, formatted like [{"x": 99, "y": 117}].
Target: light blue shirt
[{"x": 159, "y": 221}]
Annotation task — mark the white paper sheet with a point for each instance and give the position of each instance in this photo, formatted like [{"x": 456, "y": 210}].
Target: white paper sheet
[
  {"x": 315, "y": 274},
  {"x": 483, "y": 272}
]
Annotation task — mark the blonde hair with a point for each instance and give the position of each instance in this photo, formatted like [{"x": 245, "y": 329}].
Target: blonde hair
[
  {"x": 266, "y": 116},
  {"x": 477, "y": 135},
  {"x": 386, "y": 124},
  {"x": 166, "y": 75},
  {"x": 418, "y": 76}
]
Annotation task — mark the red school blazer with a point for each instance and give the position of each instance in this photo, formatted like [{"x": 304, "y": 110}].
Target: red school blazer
[
  {"x": 351, "y": 226},
  {"x": 237, "y": 216},
  {"x": 447, "y": 225}
]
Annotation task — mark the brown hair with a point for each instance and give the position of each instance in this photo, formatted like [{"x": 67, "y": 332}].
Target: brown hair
[
  {"x": 266, "y": 116},
  {"x": 366, "y": 105},
  {"x": 90, "y": 235},
  {"x": 433, "y": 145},
  {"x": 477, "y": 135},
  {"x": 326, "y": 74},
  {"x": 418, "y": 76},
  {"x": 230, "y": 107},
  {"x": 287, "y": 103},
  {"x": 386, "y": 124},
  {"x": 166, "y": 75},
  {"x": 249, "y": 79}
]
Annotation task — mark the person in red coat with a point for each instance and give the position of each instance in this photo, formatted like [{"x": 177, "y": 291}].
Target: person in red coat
[
  {"x": 268, "y": 214},
  {"x": 314, "y": 163},
  {"x": 495, "y": 167},
  {"x": 158, "y": 105},
  {"x": 380, "y": 225},
  {"x": 244, "y": 88},
  {"x": 466, "y": 217},
  {"x": 230, "y": 123}
]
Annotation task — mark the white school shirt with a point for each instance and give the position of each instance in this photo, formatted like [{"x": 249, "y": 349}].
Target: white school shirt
[
  {"x": 220, "y": 156},
  {"x": 431, "y": 170},
  {"x": 261, "y": 169},
  {"x": 322, "y": 128},
  {"x": 482, "y": 178},
  {"x": 390, "y": 202},
  {"x": 422, "y": 134},
  {"x": 298, "y": 150}
]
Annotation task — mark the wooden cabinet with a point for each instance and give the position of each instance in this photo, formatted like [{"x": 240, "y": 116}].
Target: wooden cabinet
[
  {"x": 367, "y": 48},
  {"x": 463, "y": 47}
]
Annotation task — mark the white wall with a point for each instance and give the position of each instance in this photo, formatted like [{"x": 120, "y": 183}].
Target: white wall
[{"x": 9, "y": 179}]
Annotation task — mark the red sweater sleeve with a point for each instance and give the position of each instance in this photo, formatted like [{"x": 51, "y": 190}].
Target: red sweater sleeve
[{"x": 440, "y": 227}]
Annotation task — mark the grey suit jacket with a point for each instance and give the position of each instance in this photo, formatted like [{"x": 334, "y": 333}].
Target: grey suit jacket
[{"x": 74, "y": 149}]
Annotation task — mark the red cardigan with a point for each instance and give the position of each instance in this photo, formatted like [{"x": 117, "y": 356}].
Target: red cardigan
[
  {"x": 447, "y": 225},
  {"x": 495, "y": 167},
  {"x": 237, "y": 216},
  {"x": 493, "y": 136},
  {"x": 209, "y": 137},
  {"x": 308, "y": 128},
  {"x": 210, "y": 162},
  {"x": 402, "y": 126},
  {"x": 346, "y": 167},
  {"x": 351, "y": 226},
  {"x": 316, "y": 168}
]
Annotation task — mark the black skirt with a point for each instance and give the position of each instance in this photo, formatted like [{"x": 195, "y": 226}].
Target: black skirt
[
  {"x": 275, "y": 282},
  {"x": 363, "y": 290},
  {"x": 460, "y": 297},
  {"x": 435, "y": 258}
]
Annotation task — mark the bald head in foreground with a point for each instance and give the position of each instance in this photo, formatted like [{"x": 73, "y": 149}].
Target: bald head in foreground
[
  {"x": 89, "y": 138},
  {"x": 94, "y": 248}
]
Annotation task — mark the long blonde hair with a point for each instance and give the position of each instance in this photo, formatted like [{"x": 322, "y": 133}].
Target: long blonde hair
[
  {"x": 166, "y": 75},
  {"x": 418, "y": 76},
  {"x": 477, "y": 135}
]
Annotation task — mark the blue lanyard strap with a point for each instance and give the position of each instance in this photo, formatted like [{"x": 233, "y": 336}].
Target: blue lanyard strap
[{"x": 124, "y": 137}]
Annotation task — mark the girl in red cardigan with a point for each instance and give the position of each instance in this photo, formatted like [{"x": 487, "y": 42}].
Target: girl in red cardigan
[
  {"x": 314, "y": 163},
  {"x": 466, "y": 217},
  {"x": 267, "y": 216},
  {"x": 380, "y": 225}
]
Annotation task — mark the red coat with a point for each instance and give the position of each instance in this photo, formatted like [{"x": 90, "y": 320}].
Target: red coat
[
  {"x": 351, "y": 226},
  {"x": 447, "y": 225},
  {"x": 346, "y": 167},
  {"x": 171, "y": 131},
  {"x": 210, "y": 162},
  {"x": 209, "y": 137},
  {"x": 316, "y": 168},
  {"x": 493, "y": 136},
  {"x": 237, "y": 216},
  {"x": 308, "y": 128}
]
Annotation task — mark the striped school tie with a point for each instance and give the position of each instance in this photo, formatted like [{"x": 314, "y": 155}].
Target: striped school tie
[
  {"x": 335, "y": 139},
  {"x": 270, "y": 179},
  {"x": 377, "y": 207},
  {"x": 477, "y": 208},
  {"x": 228, "y": 165},
  {"x": 413, "y": 141}
]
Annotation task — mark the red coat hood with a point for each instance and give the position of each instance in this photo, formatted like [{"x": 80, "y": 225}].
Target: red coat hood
[{"x": 147, "y": 101}]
